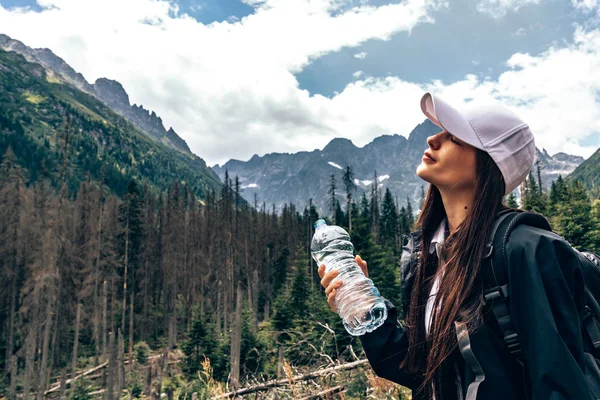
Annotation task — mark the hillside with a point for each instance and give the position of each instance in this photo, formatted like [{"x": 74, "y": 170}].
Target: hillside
[
  {"x": 589, "y": 173},
  {"x": 37, "y": 110},
  {"x": 108, "y": 91}
]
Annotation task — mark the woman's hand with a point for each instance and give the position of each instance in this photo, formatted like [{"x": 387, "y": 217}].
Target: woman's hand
[{"x": 331, "y": 288}]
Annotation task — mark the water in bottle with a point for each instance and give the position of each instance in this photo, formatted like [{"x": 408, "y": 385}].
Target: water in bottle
[{"x": 358, "y": 301}]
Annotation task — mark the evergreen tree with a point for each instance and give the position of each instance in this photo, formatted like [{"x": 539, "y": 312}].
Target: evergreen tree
[
  {"x": 595, "y": 233},
  {"x": 201, "y": 342},
  {"x": 512, "y": 201},
  {"x": 350, "y": 186},
  {"x": 534, "y": 200},
  {"x": 389, "y": 221},
  {"x": 332, "y": 193},
  {"x": 572, "y": 219}
]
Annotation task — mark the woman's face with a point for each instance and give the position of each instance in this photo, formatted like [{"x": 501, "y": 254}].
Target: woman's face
[{"x": 448, "y": 163}]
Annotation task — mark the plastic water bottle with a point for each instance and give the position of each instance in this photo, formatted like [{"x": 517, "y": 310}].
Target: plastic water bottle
[{"x": 358, "y": 301}]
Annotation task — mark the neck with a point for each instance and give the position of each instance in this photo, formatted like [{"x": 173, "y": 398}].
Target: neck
[{"x": 457, "y": 206}]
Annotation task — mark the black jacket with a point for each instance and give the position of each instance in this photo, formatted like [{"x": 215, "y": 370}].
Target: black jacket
[{"x": 546, "y": 292}]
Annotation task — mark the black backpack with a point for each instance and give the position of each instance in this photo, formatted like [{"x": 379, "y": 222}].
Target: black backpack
[{"x": 495, "y": 276}]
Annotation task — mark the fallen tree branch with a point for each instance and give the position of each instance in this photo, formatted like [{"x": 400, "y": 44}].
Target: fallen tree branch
[
  {"x": 283, "y": 382},
  {"x": 89, "y": 371},
  {"x": 325, "y": 393},
  {"x": 56, "y": 385}
]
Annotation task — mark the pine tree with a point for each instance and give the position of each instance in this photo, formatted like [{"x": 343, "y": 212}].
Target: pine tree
[
  {"x": 389, "y": 221},
  {"x": 333, "y": 201},
  {"x": 572, "y": 219},
  {"x": 512, "y": 201},
  {"x": 595, "y": 233},
  {"x": 350, "y": 186}
]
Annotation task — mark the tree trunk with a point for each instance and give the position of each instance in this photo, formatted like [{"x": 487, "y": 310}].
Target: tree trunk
[
  {"x": 112, "y": 362},
  {"x": 236, "y": 337},
  {"x": 120, "y": 366},
  {"x": 29, "y": 354},
  {"x": 63, "y": 384},
  {"x": 349, "y": 216},
  {"x": 76, "y": 341},
  {"x": 225, "y": 308},
  {"x": 104, "y": 317},
  {"x": 125, "y": 275},
  {"x": 267, "y": 310},
  {"x": 146, "y": 321},
  {"x": 148, "y": 381},
  {"x": 11, "y": 321},
  {"x": 96, "y": 294},
  {"x": 219, "y": 296},
  {"x": 255, "y": 305},
  {"x": 13, "y": 378},
  {"x": 131, "y": 332},
  {"x": 46, "y": 342},
  {"x": 249, "y": 276}
]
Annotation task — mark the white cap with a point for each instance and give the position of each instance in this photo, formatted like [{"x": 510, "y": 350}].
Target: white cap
[{"x": 493, "y": 129}]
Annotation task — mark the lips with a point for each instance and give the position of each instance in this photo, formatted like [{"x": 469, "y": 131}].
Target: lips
[{"x": 428, "y": 155}]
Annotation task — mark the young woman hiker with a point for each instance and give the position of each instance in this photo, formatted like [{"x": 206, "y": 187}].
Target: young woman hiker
[{"x": 448, "y": 346}]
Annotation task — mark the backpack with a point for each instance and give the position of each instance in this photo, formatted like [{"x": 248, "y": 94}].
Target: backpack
[{"x": 495, "y": 276}]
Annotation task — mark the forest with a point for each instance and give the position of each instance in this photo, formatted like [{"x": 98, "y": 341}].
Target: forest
[{"x": 156, "y": 294}]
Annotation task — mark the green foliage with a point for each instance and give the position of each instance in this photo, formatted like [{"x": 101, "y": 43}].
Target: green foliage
[
  {"x": 136, "y": 384},
  {"x": 588, "y": 174},
  {"x": 534, "y": 199},
  {"x": 81, "y": 390},
  {"x": 203, "y": 342},
  {"x": 511, "y": 201},
  {"x": 595, "y": 233},
  {"x": 572, "y": 217},
  {"x": 100, "y": 142},
  {"x": 142, "y": 352},
  {"x": 388, "y": 230}
]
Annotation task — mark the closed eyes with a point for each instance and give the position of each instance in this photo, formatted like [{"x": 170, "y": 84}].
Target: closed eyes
[{"x": 453, "y": 139}]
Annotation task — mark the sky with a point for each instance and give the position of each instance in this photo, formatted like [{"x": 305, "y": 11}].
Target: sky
[{"x": 236, "y": 78}]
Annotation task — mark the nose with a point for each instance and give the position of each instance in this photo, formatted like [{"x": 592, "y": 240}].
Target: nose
[{"x": 434, "y": 141}]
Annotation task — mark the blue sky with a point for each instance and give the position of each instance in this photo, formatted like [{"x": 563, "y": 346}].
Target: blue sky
[
  {"x": 237, "y": 78},
  {"x": 461, "y": 41}
]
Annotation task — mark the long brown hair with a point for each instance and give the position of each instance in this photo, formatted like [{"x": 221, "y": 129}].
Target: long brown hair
[{"x": 459, "y": 294}]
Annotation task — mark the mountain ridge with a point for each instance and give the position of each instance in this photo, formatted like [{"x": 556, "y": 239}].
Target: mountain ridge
[
  {"x": 106, "y": 90},
  {"x": 390, "y": 159}
]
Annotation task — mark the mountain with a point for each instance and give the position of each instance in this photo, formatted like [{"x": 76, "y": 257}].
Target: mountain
[
  {"x": 37, "y": 112},
  {"x": 108, "y": 91},
  {"x": 553, "y": 166},
  {"x": 589, "y": 173},
  {"x": 284, "y": 178}
]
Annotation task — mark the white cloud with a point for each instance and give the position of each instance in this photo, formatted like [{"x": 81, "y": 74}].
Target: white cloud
[
  {"x": 520, "y": 32},
  {"x": 357, "y": 74},
  {"x": 499, "y": 8},
  {"x": 361, "y": 56},
  {"x": 227, "y": 88},
  {"x": 586, "y": 5}
]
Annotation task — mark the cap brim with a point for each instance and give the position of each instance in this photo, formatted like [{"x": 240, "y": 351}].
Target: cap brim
[{"x": 448, "y": 118}]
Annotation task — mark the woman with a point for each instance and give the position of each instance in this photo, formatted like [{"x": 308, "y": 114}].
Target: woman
[{"x": 448, "y": 345}]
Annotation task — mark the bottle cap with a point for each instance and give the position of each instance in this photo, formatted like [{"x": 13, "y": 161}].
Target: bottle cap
[{"x": 319, "y": 223}]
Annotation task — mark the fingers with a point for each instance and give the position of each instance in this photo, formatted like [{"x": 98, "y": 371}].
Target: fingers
[
  {"x": 332, "y": 287},
  {"x": 331, "y": 300},
  {"x": 328, "y": 277},
  {"x": 363, "y": 265}
]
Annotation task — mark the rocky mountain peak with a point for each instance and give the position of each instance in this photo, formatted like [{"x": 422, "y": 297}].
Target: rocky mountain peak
[{"x": 112, "y": 92}]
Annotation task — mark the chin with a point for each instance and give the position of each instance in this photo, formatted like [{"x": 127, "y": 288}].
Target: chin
[{"x": 423, "y": 173}]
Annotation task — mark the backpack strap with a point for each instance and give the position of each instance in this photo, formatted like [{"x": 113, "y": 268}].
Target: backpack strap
[{"x": 495, "y": 278}]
